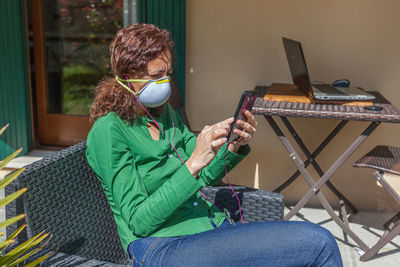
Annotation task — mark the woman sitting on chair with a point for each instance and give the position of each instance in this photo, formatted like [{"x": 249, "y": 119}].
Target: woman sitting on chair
[{"x": 152, "y": 167}]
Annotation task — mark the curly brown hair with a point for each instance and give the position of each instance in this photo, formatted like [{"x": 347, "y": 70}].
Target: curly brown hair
[{"x": 131, "y": 50}]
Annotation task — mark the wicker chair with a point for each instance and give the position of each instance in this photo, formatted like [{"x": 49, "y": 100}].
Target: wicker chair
[{"x": 65, "y": 198}]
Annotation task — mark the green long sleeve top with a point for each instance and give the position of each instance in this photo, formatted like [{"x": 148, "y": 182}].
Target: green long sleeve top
[{"x": 150, "y": 191}]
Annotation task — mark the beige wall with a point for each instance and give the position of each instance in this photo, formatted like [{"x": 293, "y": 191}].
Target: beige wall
[{"x": 234, "y": 45}]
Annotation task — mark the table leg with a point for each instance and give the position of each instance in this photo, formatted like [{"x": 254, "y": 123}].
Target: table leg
[
  {"x": 316, "y": 152},
  {"x": 344, "y": 218},
  {"x": 394, "y": 220},
  {"x": 335, "y": 165},
  {"x": 387, "y": 237},
  {"x": 314, "y": 163},
  {"x": 315, "y": 187},
  {"x": 324, "y": 202}
]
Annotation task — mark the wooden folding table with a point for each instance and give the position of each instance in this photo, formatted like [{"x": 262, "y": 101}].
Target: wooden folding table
[{"x": 344, "y": 113}]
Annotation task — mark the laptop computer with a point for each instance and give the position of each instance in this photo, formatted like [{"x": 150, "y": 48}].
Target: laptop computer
[{"x": 319, "y": 91}]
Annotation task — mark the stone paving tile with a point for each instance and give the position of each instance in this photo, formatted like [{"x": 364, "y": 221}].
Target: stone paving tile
[{"x": 365, "y": 225}]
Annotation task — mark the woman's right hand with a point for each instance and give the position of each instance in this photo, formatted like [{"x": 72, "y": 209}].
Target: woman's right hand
[{"x": 208, "y": 143}]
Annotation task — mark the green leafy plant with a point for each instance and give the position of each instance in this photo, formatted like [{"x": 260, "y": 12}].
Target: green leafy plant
[{"x": 23, "y": 251}]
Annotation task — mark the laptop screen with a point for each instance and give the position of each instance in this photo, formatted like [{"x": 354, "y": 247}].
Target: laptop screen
[{"x": 297, "y": 65}]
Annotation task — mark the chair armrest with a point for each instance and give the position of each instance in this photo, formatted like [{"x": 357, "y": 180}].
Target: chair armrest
[{"x": 257, "y": 205}]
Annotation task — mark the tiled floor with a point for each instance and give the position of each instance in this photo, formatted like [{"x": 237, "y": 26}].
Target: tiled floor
[{"x": 365, "y": 224}]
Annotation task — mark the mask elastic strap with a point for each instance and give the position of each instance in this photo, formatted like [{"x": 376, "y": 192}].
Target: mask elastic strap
[{"x": 123, "y": 85}]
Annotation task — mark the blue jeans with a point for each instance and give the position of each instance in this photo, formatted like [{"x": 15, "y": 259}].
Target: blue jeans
[{"x": 277, "y": 243}]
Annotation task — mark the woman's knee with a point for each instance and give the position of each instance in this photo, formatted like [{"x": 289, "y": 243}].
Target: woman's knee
[
  {"x": 323, "y": 244},
  {"x": 317, "y": 234},
  {"x": 302, "y": 243},
  {"x": 295, "y": 234}
]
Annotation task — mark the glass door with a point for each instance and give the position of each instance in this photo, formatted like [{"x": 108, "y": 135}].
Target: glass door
[{"x": 71, "y": 39}]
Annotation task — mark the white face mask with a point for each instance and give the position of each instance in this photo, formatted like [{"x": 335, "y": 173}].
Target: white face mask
[{"x": 153, "y": 94}]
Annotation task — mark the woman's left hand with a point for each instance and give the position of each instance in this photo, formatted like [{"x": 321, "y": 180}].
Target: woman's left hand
[{"x": 248, "y": 131}]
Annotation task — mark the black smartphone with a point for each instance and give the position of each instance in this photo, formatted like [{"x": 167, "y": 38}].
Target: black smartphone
[{"x": 246, "y": 103}]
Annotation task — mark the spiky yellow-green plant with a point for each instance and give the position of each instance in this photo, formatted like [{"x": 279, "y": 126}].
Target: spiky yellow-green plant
[{"x": 23, "y": 251}]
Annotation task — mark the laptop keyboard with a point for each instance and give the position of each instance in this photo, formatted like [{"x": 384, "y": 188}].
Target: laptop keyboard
[{"x": 328, "y": 89}]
